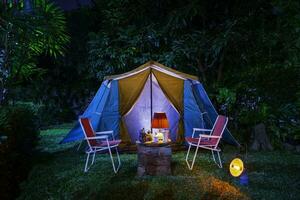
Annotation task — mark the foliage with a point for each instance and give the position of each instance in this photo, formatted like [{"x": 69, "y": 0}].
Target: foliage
[
  {"x": 26, "y": 35},
  {"x": 64, "y": 95},
  {"x": 226, "y": 98},
  {"x": 19, "y": 124},
  {"x": 285, "y": 124},
  {"x": 249, "y": 63},
  {"x": 245, "y": 53},
  {"x": 59, "y": 173}
]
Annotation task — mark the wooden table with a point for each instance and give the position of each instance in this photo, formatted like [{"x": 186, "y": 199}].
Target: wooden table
[{"x": 154, "y": 159}]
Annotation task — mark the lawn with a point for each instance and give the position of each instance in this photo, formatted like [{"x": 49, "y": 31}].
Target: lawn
[{"x": 58, "y": 174}]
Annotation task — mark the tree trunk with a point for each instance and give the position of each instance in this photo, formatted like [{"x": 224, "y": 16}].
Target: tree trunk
[
  {"x": 221, "y": 66},
  {"x": 201, "y": 70},
  {"x": 260, "y": 139},
  {"x": 4, "y": 66},
  {"x": 220, "y": 71}
]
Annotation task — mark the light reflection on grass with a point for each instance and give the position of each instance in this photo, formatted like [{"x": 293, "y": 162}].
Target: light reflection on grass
[{"x": 58, "y": 174}]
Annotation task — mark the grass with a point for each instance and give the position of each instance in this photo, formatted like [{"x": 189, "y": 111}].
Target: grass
[{"x": 58, "y": 174}]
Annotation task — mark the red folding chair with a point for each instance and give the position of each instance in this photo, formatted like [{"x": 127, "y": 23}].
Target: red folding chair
[
  {"x": 99, "y": 141},
  {"x": 205, "y": 141}
]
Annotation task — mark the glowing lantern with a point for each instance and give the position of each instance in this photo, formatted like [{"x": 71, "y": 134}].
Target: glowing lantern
[
  {"x": 160, "y": 137},
  {"x": 236, "y": 167},
  {"x": 160, "y": 122}
]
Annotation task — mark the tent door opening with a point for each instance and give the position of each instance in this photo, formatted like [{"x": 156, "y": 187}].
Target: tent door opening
[{"x": 141, "y": 113}]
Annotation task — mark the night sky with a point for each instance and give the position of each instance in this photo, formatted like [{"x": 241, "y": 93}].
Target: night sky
[{"x": 71, "y": 4}]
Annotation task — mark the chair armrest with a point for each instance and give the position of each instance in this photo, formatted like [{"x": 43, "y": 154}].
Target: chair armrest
[
  {"x": 97, "y": 137},
  {"x": 209, "y": 136},
  {"x": 202, "y": 129},
  {"x": 106, "y": 133}
]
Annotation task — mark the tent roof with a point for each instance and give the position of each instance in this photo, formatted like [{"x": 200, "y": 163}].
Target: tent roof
[{"x": 156, "y": 66}]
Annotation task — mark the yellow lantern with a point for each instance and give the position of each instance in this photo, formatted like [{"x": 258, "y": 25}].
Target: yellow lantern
[
  {"x": 149, "y": 138},
  {"x": 236, "y": 167},
  {"x": 160, "y": 137}
]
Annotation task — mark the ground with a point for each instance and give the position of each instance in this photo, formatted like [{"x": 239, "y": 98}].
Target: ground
[{"x": 58, "y": 174}]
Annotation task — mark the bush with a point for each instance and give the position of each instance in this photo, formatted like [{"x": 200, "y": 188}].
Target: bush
[
  {"x": 19, "y": 123},
  {"x": 50, "y": 113}
]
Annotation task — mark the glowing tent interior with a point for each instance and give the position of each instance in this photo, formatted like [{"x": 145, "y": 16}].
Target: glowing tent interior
[{"x": 125, "y": 104}]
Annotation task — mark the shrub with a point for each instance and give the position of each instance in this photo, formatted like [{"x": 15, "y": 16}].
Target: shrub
[{"x": 19, "y": 124}]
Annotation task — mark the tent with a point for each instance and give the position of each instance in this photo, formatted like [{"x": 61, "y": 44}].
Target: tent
[{"x": 125, "y": 104}]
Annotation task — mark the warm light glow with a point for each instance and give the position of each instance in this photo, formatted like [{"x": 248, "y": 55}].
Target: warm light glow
[
  {"x": 160, "y": 120},
  {"x": 236, "y": 167},
  {"x": 160, "y": 137}
]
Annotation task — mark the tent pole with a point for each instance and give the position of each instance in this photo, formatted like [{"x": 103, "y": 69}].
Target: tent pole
[{"x": 151, "y": 99}]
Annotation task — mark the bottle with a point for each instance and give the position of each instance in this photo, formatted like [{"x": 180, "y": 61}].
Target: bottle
[{"x": 142, "y": 135}]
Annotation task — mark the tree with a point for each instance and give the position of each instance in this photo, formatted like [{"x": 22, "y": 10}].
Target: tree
[
  {"x": 250, "y": 49},
  {"x": 26, "y": 34}
]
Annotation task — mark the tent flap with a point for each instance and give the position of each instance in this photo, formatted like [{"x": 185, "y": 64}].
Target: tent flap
[
  {"x": 129, "y": 91},
  {"x": 173, "y": 89}
]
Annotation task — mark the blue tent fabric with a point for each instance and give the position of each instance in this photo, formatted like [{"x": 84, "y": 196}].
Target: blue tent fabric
[
  {"x": 192, "y": 115},
  {"x": 206, "y": 105},
  {"x": 110, "y": 116},
  {"x": 94, "y": 112}
]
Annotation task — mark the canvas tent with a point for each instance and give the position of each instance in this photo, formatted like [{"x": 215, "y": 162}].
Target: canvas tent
[{"x": 125, "y": 104}]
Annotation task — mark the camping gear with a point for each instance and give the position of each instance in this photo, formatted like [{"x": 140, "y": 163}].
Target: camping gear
[
  {"x": 126, "y": 103},
  {"x": 99, "y": 141},
  {"x": 244, "y": 179},
  {"x": 142, "y": 137},
  {"x": 160, "y": 122},
  {"x": 209, "y": 142},
  {"x": 236, "y": 167}
]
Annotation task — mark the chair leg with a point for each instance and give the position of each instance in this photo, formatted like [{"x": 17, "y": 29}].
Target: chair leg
[
  {"x": 112, "y": 160},
  {"x": 187, "y": 157},
  {"x": 93, "y": 157},
  {"x": 219, "y": 159},
  {"x": 220, "y": 162},
  {"x": 86, "y": 162},
  {"x": 79, "y": 145},
  {"x": 194, "y": 158},
  {"x": 87, "y": 166},
  {"x": 119, "y": 160},
  {"x": 213, "y": 155}
]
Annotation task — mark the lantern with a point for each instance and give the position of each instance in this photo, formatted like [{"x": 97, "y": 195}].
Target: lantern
[
  {"x": 160, "y": 137},
  {"x": 160, "y": 122},
  {"x": 148, "y": 137},
  {"x": 236, "y": 167}
]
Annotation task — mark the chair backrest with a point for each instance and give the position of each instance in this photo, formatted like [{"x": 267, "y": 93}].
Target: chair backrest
[
  {"x": 88, "y": 131},
  {"x": 218, "y": 129}
]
